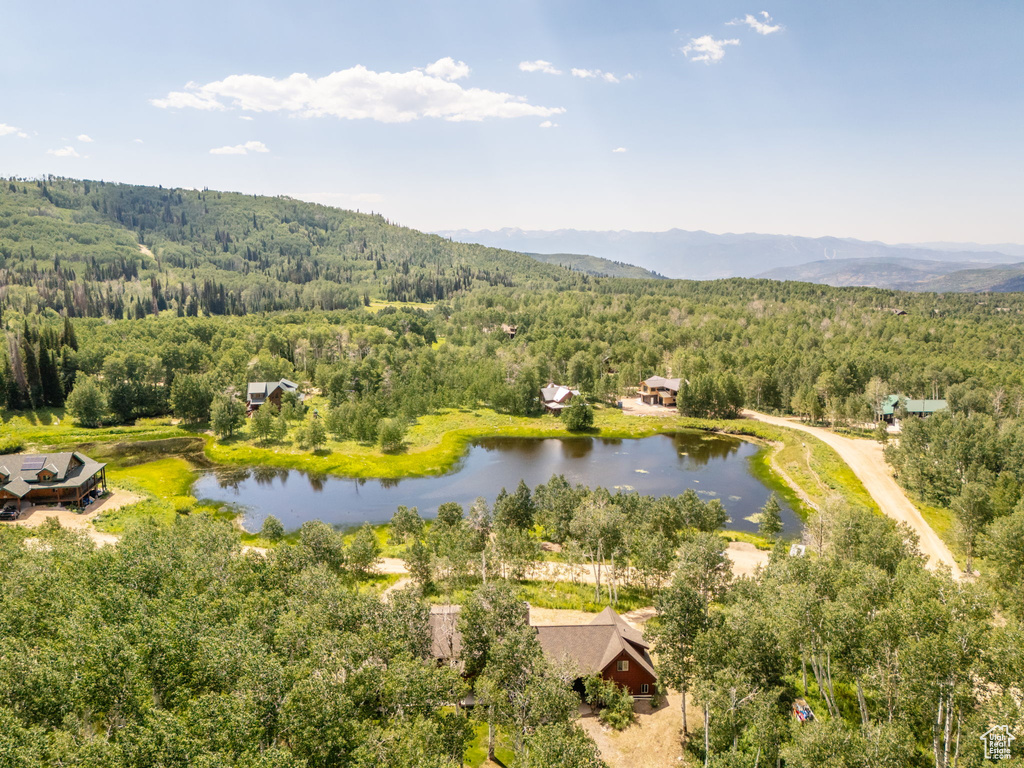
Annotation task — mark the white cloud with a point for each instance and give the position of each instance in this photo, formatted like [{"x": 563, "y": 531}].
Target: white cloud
[
  {"x": 245, "y": 117},
  {"x": 22, "y": 135},
  {"x": 548, "y": 124},
  {"x": 84, "y": 138},
  {"x": 63, "y": 152},
  {"x": 6, "y": 129},
  {"x": 707, "y": 49},
  {"x": 620, "y": 150},
  {"x": 608, "y": 77},
  {"x": 241, "y": 149},
  {"x": 761, "y": 27},
  {"x": 137, "y": 141},
  {"x": 539, "y": 66},
  {"x": 357, "y": 93},
  {"x": 448, "y": 69}
]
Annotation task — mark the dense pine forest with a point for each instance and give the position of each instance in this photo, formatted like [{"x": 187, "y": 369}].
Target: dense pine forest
[{"x": 120, "y": 303}]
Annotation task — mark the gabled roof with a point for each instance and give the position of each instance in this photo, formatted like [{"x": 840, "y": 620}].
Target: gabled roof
[
  {"x": 891, "y": 403},
  {"x": 70, "y": 470},
  {"x": 659, "y": 381},
  {"x": 608, "y": 617},
  {"x": 258, "y": 391},
  {"x": 556, "y": 393},
  {"x": 594, "y": 646}
]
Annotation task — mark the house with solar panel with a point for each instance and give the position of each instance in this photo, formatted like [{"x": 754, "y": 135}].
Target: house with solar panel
[
  {"x": 259, "y": 393},
  {"x": 50, "y": 479}
]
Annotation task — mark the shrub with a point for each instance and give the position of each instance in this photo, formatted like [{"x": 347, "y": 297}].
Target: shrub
[
  {"x": 613, "y": 702},
  {"x": 579, "y": 416},
  {"x": 391, "y": 435},
  {"x": 10, "y": 444},
  {"x": 272, "y": 529}
]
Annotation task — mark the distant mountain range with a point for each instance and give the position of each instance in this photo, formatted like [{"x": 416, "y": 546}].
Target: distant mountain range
[{"x": 832, "y": 260}]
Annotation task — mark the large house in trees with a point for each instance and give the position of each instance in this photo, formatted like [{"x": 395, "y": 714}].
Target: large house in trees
[
  {"x": 607, "y": 646},
  {"x": 555, "y": 397},
  {"x": 658, "y": 390},
  {"x": 50, "y": 478},
  {"x": 919, "y": 408},
  {"x": 262, "y": 392}
]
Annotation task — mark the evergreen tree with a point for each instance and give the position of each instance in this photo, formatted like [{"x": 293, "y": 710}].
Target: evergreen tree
[
  {"x": 32, "y": 376},
  {"x": 771, "y": 518},
  {"x": 53, "y": 391}
]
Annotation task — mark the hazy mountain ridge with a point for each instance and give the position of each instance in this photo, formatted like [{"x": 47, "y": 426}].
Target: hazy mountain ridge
[
  {"x": 596, "y": 266},
  {"x": 703, "y": 255},
  {"x": 883, "y": 272},
  {"x": 907, "y": 275}
]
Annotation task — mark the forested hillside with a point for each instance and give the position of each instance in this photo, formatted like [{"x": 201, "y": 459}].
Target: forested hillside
[{"x": 93, "y": 249}]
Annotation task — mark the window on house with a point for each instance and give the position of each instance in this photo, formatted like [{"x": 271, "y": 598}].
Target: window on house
[
  {"x": 645, "y": 688},
  {"x": 623, "y": 666}
]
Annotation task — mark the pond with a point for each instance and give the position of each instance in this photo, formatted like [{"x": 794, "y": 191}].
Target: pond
[{"x": 663, "y": 465}]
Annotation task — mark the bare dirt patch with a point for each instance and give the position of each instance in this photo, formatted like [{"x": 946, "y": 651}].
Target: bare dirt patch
[
  {"x": 745, "y": 559},
  {"x": 33, "y": 517},
  {"x": 634, "y": 406},
  {"x": 652, "y": 741}
]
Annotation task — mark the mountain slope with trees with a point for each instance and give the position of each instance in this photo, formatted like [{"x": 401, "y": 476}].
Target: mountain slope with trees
[{"x": 92, "y": 249}]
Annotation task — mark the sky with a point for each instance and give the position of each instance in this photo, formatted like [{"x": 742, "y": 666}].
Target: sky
[{"x": 892, "y": 121}]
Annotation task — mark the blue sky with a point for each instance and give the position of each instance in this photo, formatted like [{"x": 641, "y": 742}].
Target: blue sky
[{"x": 892, "y": 121}]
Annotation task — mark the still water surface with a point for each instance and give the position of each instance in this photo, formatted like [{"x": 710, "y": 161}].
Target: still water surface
[{"x": 663, "y": 465}]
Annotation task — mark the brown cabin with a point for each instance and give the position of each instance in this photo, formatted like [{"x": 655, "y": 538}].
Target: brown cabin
[
  {"x": 260, "y": 393},
  {"x": 50, "y": 478},
  {"x": 607, "y": 646},
  {"x": 658, "y": 390}
]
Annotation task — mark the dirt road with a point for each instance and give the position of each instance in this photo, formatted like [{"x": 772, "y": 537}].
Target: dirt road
[
  {"x": 867, "y": 462},
  {"x": 746, "y": 558}
]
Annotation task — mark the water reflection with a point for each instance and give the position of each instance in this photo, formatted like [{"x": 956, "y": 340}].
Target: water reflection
[{"x": 664, "y": 465}]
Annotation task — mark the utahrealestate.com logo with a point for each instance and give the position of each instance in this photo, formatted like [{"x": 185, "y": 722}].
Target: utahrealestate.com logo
[{"x": 997, "y": 742}]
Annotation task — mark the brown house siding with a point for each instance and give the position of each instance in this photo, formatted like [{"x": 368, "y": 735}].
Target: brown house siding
[{"x": 633, "y": 678}]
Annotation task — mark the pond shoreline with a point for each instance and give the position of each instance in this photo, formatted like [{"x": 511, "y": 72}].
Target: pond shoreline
[{"x": 665, "y": 464}]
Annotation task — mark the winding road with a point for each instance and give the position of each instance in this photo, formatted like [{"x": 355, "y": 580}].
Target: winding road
[{"x": 867, "y": 462}]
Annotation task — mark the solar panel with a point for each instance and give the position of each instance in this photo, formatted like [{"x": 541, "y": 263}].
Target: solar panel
[{"x": 34, "y": 463}]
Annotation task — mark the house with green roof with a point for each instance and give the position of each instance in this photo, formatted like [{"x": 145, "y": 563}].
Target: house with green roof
[{"x": 919, "y": 408}]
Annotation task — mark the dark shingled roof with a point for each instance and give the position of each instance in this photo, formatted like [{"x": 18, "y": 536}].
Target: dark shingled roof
[{"x": 592, "y": 647}]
